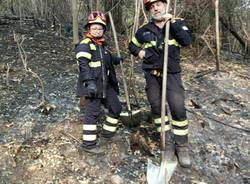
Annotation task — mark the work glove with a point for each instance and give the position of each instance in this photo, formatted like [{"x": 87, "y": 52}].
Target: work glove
[
  {"x": 167, "y": 16},
  {"x": 92, "y": 89},
  {"x": 142, "y": 54},
  {"x": 117, "y": 60}
]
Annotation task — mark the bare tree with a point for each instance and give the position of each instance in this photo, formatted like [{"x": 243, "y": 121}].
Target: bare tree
[{"x": 74, "y": 10}]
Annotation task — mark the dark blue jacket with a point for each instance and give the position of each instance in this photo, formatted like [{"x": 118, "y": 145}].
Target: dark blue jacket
[
  {"x": 95, "y": 63},
  {"x": 151, "y": 38}
]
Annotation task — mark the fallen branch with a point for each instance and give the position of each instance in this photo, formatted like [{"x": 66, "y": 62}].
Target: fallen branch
[
  {"x": 208, "y": 116},
  {"x": 19, "y": 40}
]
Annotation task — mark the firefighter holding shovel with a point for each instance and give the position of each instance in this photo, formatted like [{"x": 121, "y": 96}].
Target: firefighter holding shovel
[{"x": 148, "y": 44}]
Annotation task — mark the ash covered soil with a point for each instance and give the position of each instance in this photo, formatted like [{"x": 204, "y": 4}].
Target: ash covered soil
[{"x": 39, "y": 147}]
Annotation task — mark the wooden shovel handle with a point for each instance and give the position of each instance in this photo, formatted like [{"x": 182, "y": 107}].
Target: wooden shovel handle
[{"x": 164, "y": 83}]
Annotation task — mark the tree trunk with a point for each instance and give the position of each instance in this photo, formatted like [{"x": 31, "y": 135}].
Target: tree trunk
[
  {"x": 99, "y": 5},
  {"x": 116, "y": 7},
  {"x": 217, "y": 35},
  {"x": 75, "y": 21}
]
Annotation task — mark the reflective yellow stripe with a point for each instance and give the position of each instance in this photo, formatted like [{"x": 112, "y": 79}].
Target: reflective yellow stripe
[
  {"x": 180, "y": 132},
  {"x": 170, "y": 42},
  {"x": 151, "y": 44},
  {"x": 111, "y": 120},
  {"x": 185, "y": 28},
  {"x": 92, "y": 46},
  {"x": 89, "y": 127},
  {"x": 173, "y": 42},
  {"x": 109, "y": 128},
  {"x": 89, "y": 137},
  {"x": 95, "y": 64},
  {"x": 83, "y": 54},
  {"x": 86, "y": 40},
  {"x": 136, "y": 42},
  {"x": 167, "y": 127},
  {"x": 158, "y": 120},
  {"x": 180, "y": 123}
]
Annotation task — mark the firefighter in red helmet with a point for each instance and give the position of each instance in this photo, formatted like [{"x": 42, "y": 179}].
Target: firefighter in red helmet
[
  {"x": 98, "y": 83},
  {"x": 148, "y": 2},
  {"x": 148, "y": 44}
]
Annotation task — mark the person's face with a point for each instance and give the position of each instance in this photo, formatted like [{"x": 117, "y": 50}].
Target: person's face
[
  {"x": 96, "y": 30},
  {"x": 157, "y": 9}
]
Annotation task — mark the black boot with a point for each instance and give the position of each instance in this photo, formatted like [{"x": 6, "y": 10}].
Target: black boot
[
  {"x": 182, "y": 152},
  {"x": 170, "y": 146},
  {"x": 95, "y": 150}
]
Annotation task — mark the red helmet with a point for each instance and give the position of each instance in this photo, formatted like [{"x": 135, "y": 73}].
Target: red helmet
[
  {"x": 97, "y": 17},
  {"x": 148, "y": 2}
]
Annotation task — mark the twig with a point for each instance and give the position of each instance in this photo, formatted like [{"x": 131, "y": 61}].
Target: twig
[
  {"x": 7, "y": 75},
  {"x": 208, "y": 45},
  {"x": 70, "y": 136}
]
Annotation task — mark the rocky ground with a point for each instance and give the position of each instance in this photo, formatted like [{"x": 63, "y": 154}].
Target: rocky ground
[{"x": 40, "y": 144}]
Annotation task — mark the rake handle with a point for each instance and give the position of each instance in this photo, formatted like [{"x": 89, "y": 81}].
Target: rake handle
[{"x": 121, "y": 64}]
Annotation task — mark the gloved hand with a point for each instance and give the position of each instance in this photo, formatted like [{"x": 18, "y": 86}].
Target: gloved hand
[
  {"x": 117, "y": 60},
  {"x": 167, "y": 16},
  {"x": 142, "y": 54},
  {"x": 92, "y": 89}
]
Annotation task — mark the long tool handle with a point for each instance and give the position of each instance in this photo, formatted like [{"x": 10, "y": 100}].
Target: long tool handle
[
  {"x": 164, "y": 85},
  {"x": 121, "y": 64}
]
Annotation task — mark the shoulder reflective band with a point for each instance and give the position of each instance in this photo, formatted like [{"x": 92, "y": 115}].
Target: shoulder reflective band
[
  {"x": 89, "y": 127},
  {"x": 180, "y": 132},
  {"x": 109, "y": 128},
  {"x": 167, "y": 127},
  {"x": 174, "y": 42},
  {"x": 151, "y": 44},
  {"x": 170, "y": 42},
  {"x": 179, "y": 123},
  {"x": 111, "y": 120},
  {"x": 185, "y": 28},
  {"x": 89, "y": 137},
  {"x": 86, "y": 40},
  {"x": 136, "y": 42},
  {"x": 92, "y": 46},
  {"x": 83, "y": 54},
  {"x": 158, "y": 120},
  {"x": 95, "y": 64}
]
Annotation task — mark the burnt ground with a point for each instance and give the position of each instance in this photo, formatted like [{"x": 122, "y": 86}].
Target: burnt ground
[{"x": 38, "y": 147}]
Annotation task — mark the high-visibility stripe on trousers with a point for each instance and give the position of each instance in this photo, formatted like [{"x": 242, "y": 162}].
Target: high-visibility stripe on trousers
[
  {"x": 109, "y": 126},
  {"x": 180, "y": 131},
  {"x": 175, "y": 99},
  {"x": 89, "y": 134},
  {"x": 93, "y": 111},
  {"x": 157, "y": 122}
]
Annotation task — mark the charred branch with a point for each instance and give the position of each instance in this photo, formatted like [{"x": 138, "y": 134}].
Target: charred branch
[{"x": 229, "y": 26}]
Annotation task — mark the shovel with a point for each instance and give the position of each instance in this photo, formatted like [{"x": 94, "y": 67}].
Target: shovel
[
  {"x": 162, "y": 174},
  {"x": 130, "y": 118}
]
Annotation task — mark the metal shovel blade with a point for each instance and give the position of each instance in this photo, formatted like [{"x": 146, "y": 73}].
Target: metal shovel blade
[
  {"x": 132, "y": 119},
  {"x": 160, "y": 174}
]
